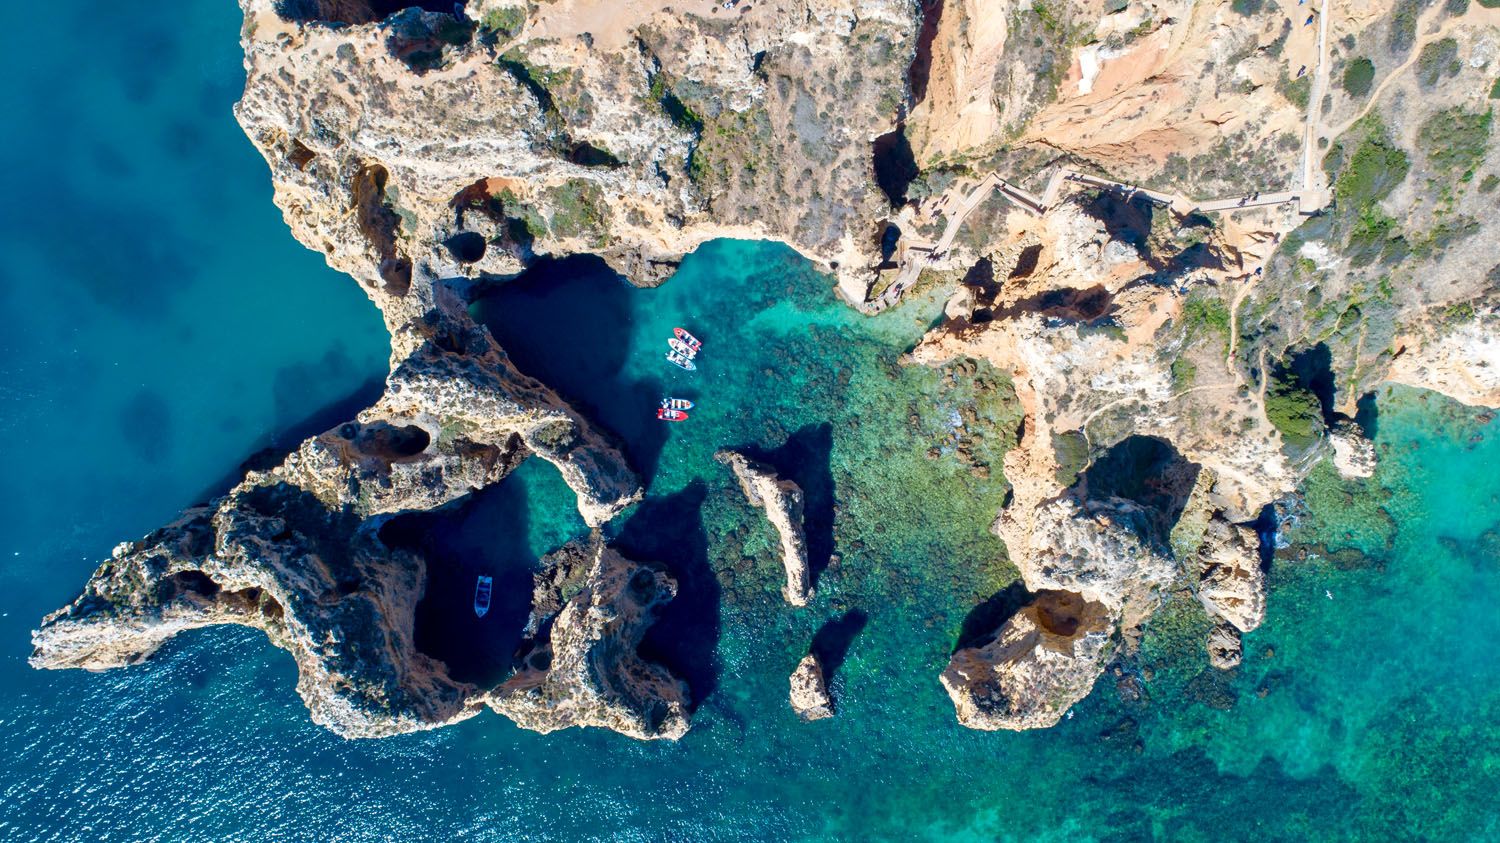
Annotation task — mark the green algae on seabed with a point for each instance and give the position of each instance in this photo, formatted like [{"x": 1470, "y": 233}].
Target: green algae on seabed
[{"x": 1365, "y": 717}]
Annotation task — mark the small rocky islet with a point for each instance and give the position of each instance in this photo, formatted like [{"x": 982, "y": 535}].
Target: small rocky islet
[{"x": 1177, "y": 373}]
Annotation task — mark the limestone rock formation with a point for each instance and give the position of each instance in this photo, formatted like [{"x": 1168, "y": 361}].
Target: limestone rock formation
[
  {"x": 1233, "y": 587},
  {"x": 809, "y": 693},
  {"x": 272, "y": 557},
  {"x": 581, "y": 666},
  {"x": 296, "y": 550},
  {"x": 782, "y": 501},
  {"x": 1083, "y": 339},
  {"x": 1224, "y": 647},
  {"x": 635, "y": 131},
  {"x": 1039, "y": 663},
  {"x": 1353, "y": 454}
]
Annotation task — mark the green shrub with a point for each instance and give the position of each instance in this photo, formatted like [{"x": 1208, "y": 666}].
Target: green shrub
[
  {"x": 1184, "y": 372},
  {"x": 1297, "y": 91},
  {"x": 1359, "y": 77},
  {"x": 503, "y": 23},
  {"x": 1489, "y": 183},
  {"x": 1456, "y": 8},
  {"x": 1403, "y": 32},
  {"x": 1072, "y": 451},
  {"x": 1437, "y": 59},
  {"x": 1205, "y": 313},
  {"x": 1294, "y": 410},
  {"x": 1455, "y": 140},
  {"x": 1495, "y": 90},
  {"x": 1248, "y": 8},
  {"x": 1373, "y": 171}
]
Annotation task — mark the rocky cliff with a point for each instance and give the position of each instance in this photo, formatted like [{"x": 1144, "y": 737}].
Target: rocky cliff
[{"x": 1181, "y": 363}]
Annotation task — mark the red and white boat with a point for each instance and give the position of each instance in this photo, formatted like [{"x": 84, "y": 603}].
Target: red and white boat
[
  {"x": 670, "y": 415},
  {"x": 687, "y": 338}
]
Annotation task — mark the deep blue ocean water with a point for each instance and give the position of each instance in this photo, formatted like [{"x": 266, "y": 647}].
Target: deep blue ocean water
[{"x": 162, "y": 326}]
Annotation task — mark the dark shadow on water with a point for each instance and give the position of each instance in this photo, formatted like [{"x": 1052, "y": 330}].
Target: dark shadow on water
[
  {"x": 804, "y": 459},
  {"x": 1266, "y": 525},
  {"x": 568, "y": 324},
  {"x": 483, "y": 535},
  {"x": 669, "y": 531},
  {"x": 293, "y": 431},
  {"x": 984, "y": 620},
  {"x": 1367, "y": 414},
  {"x": 831, "y": 642},
  {"x": 146, "y": 425}
]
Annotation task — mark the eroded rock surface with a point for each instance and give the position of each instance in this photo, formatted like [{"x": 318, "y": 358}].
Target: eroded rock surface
[
  {"x": 1353, "y": 454},
  {"x": 581, "y": 666},
  {"x": 1041, "y": 661},
  {"x": 809, "y": 693},
  {"x": 296, "y": 550},
  {"x": 782, "y": 501}
]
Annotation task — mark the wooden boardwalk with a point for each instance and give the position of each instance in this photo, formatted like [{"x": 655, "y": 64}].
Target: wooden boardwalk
[{"x": 1309, "y": 198}]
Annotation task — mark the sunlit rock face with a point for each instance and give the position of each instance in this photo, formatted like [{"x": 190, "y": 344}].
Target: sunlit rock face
[
  {"x": 581, "y": 668},
  {"x": 782, "y": 500},
  {"x": 1041, "y": 661},
  {"x": 809, "y": 690}
]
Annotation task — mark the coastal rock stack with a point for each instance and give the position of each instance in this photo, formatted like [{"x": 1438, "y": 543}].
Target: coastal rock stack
[
  {"x": 581, "y": 666},
  {"x": 809, "y": 694},
  {"x": 1232, "y": 589},
  {"x": 782, "y": 501},
  {"x": 1039, "y": 663},
  {"x": 296, "y": 550}
]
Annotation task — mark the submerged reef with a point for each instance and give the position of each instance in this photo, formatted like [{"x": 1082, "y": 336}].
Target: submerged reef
[{"x": 782, "y": 501}]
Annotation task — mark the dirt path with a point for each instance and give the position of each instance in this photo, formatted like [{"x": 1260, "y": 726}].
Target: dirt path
[{"x": 1475, "y": 13}]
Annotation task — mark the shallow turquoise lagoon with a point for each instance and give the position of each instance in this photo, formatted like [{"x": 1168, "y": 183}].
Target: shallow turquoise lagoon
[{"x": 163, "y": 326}]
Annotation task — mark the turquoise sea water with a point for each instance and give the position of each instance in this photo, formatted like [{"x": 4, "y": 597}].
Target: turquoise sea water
[{"x": 163, "y": 326}]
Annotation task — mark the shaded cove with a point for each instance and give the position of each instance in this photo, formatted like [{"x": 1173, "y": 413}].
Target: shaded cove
[{"x": 1340, "y": 724}]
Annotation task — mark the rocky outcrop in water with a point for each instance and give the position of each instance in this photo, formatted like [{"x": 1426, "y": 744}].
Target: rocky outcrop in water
[
  {"x": 1233, "y": 587},
  {"x": 273, "y": 558},
  {"x": 1037, "y": 664},
  {"x": 296, "y": 550},
  {"x": 580, "y": 665},
  {"x": 809, "y": 693},
  {"x": 1353, "y": 454},
  {"x": 782, "y": 501}
]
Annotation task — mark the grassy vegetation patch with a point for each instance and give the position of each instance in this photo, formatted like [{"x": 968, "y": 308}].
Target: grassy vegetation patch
[
  {"x": 1359, "y": 77},
  {"x": 1297, "y": 91},
  {"x": 1437, "y": 59},
  {"x": 578, "y": 210},
  {"x": 1455, "y": 140}
]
